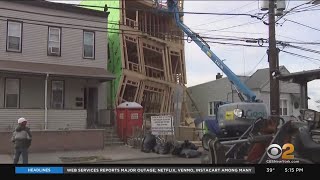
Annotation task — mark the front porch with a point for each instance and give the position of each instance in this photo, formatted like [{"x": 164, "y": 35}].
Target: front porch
[{"x": 69, "y": 98}]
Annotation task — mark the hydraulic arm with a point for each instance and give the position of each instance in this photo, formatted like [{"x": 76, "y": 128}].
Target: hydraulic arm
[{"x": 237, "y": 83}]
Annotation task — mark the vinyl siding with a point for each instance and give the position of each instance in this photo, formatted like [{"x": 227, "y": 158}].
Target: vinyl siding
[
  {"x": 34, "y": 37},
  {"x": 72, "y": 119},
  {"x": 9, "y": 118}
]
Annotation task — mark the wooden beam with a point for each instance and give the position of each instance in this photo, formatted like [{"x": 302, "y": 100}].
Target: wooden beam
[
  {"x": 141, "y": 54},
  {"x": 154, "y": 24},
  {"x": 122, "y": 51},
  {"x": 137, "y": 91},
  {"x": 137, "y": 20},
  {"x": 145, "y": 21},
  {"x": 163, "y": 100},
  {"x": 125, "y": 49},
  {"x": 158, "y": 27},
  {"x": 182, "y": 57},
  {"x": 141, "y": 93},
  {"x": 149, "y": 16}
]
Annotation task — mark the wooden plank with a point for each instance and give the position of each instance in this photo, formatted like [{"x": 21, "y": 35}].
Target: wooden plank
[
  {"x": 182, "y": 57},
  {"x": 154, "y": 24},
  {"x": 137, "y": 20},
  {"x": 170, "y": 65},
  {"x": 149, "y": 22},
  {"x": 152, "y": 43},
  {"x": 141, "y": 92},
  {"x": 145, "y": 21},
  {"x": 163, "y": 101},
  {"x": 118, "y": 90},
  {"x": 165, "y": 60},
  {"x": 123, "y": 51},
  {"x": 141, "y": 54},
  {"x": 158, "y": 27},
  {"x": 137, "y": 91},
  {"x": 123, "y": 17}
]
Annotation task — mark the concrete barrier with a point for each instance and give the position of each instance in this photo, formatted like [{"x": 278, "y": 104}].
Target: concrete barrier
[{"x": 50, "y": 140}]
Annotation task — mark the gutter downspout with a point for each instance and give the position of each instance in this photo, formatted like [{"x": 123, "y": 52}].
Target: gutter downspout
[{"x": 46, "y": 103}]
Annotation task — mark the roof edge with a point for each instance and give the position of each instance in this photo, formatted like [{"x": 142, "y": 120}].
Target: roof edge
[{"x": 62, "y": 6}]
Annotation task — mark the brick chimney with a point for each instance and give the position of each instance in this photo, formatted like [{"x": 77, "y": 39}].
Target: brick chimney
[{"x": 218, "y": 76}]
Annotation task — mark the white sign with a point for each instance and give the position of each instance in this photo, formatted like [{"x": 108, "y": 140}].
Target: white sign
[{"x": 162, "y": 125}]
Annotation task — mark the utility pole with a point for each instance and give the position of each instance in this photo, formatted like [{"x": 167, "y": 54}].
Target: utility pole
[{"x": 273, "y": 64}]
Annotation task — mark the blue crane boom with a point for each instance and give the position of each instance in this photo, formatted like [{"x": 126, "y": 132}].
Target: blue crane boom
[{"x": 239, "y": 85}]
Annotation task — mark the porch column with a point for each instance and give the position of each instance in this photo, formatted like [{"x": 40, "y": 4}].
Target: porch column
[
  {"x": 304, "y": 95},
  {"x": 46, "y": 103}
]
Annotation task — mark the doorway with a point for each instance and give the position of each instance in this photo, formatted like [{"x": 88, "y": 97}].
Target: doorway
[{"x": 91, "y": 105}]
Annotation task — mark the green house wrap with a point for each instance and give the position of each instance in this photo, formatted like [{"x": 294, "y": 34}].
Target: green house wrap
[{"x": 114, "y": 64}]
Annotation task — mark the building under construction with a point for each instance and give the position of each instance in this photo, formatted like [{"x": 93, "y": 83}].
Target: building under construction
[{"x": 146, "y": 53}]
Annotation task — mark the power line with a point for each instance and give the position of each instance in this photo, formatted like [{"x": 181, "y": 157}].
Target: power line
[
  {"x": 219, "y": 20},
  {"x": 303, "y": 49},
  {"x": 292, "y": 10},
  {"x": 116, "y": 31},
  {"x": 301, "y": 56},
  {"x": 230, "y": 27},
  {"x": 258, "y": 63},
  {"x": 234, "y": 44},
  {"x": 302, "y": 24},
  {"x": 181, "y": 12}
]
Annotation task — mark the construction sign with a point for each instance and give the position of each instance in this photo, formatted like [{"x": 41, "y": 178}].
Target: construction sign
[{"x": 162, "y": 125}]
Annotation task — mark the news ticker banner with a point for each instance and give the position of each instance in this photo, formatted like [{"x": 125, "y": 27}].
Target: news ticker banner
[{"x": 134, "y": 170}]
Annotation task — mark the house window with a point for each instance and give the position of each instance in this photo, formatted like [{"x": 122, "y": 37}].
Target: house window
[
  {"x": 14, "y": 32},
  {"x": 54, "y": 39},
  {"x": 283, "y": 107},
  {"x": 211, "y": 105},
  {"x": 88, "y": 45},
  {"x": 12, "y": 93},
  {"x": 57, "y": 96}
]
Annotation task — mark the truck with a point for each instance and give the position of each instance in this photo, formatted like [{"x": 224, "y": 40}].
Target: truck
[{"x": 233, "y": 118}]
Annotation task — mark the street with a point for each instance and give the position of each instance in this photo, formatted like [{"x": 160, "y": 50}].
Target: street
[{"x": 169, "y": 160}]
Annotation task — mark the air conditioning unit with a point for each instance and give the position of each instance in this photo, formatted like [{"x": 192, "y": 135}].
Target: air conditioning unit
[{"x": 54, "y": 50}]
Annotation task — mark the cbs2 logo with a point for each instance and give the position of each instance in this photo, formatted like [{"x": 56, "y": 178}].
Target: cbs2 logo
[{"x": 274, "y": 151}]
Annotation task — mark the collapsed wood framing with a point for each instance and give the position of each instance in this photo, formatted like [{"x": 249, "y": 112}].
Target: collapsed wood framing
[{"x": 153, "y": 59}]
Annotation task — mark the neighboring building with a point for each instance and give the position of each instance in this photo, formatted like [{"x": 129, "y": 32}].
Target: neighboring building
[
  {"x": 52, "y": 65},
  {"x": 146, "y": 54},
  {"x": 205, "y": 95}
]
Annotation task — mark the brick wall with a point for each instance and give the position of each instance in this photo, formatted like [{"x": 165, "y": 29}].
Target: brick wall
[{"x": 48, "y": 141}]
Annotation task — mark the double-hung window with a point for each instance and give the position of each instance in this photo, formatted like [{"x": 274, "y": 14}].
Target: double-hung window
[
  {"x": 284, "y": 107},
  {"x": 54, "y": 39},
  {"x": 12, "y": 93},
  {"x": 14, "y": 36},
  {"x": 88, "y": 44}
]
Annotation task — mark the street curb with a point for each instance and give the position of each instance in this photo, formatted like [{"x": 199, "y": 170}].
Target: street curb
[{"x": 132, "y": 159}]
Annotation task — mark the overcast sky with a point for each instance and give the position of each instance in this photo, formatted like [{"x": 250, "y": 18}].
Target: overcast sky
[{"x": 245, "y": 60}]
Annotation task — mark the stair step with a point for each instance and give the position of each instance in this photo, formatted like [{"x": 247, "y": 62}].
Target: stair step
[
  {"x": 113, "y": 139},
  {"x": 114, "y": 143}
]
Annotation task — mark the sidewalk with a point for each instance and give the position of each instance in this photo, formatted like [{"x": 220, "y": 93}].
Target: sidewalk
[{"x": 109, "y": 154}]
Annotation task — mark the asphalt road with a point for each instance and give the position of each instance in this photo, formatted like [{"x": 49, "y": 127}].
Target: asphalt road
[{"x": 174, "y": 160}]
